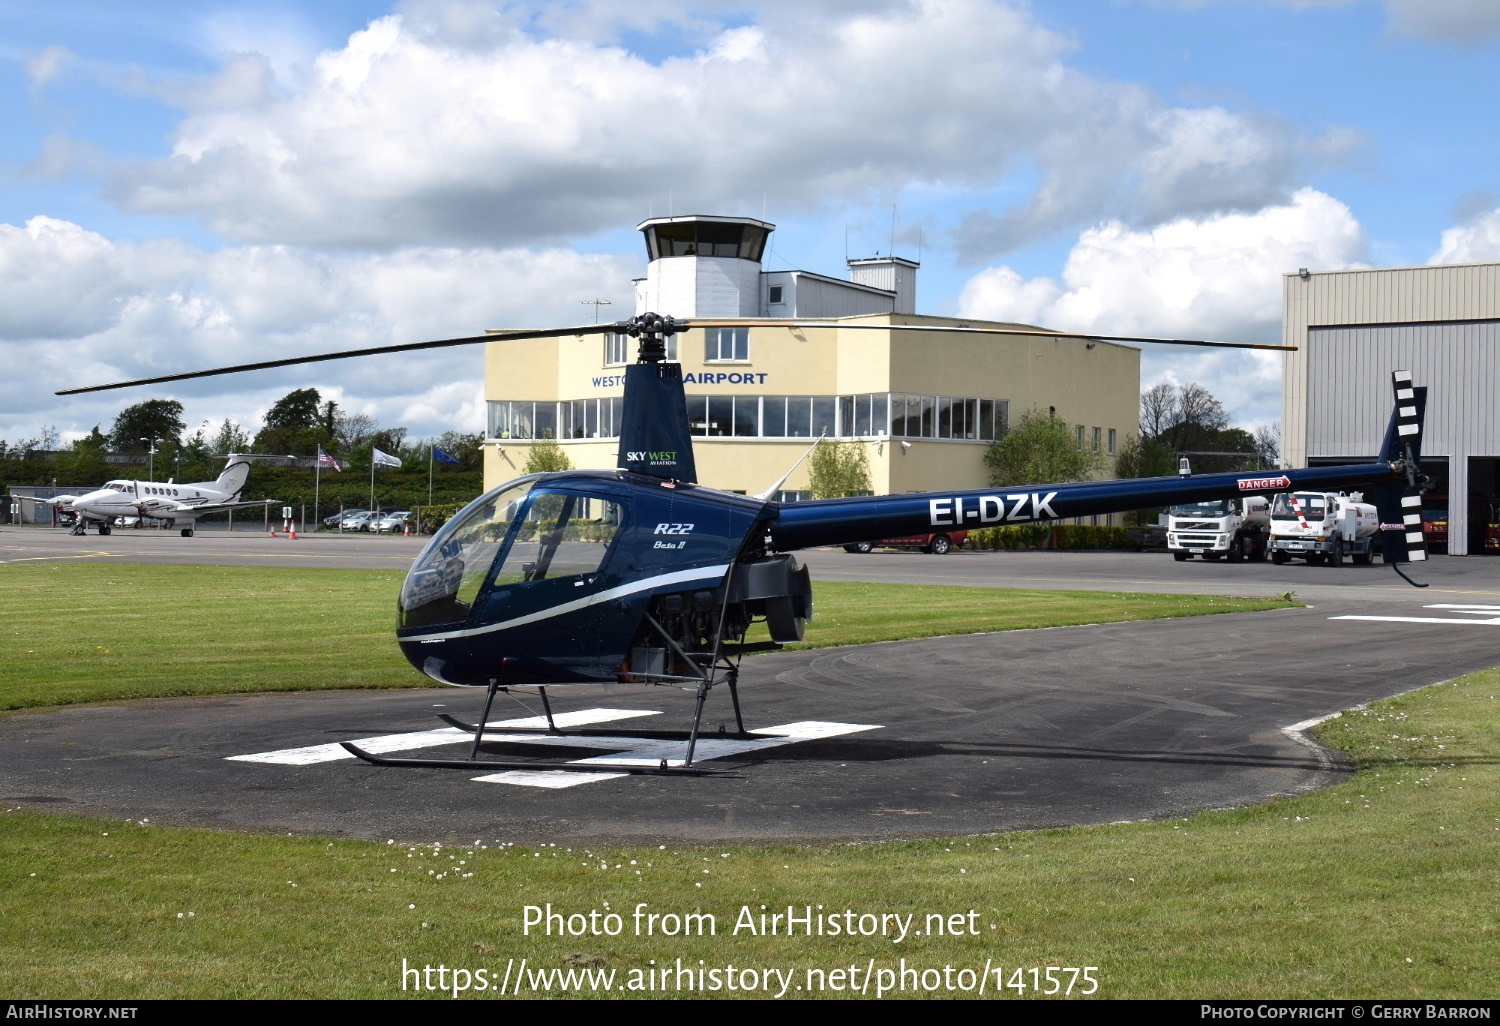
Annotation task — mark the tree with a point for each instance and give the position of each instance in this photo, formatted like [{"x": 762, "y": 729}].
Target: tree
[
  {"x": 229, "y": 438},
  {"x": 1268, "y": 445},
  {"x": 462, "y": 446},
  {"x": 293, "y": 424},
  {"x": 546, "y": 455},
  {"x": 837, "y": 469},
  {"x": 1140, "y": 457},
  {"x": 158, "y": 419},
  {"x": 1039, "y": 449}
]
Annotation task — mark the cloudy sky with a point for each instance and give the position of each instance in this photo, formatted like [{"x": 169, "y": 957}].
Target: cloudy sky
[{"x": 184, "y": 184}]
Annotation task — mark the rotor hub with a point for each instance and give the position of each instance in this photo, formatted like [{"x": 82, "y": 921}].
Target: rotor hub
[{"x": 652, "y": 329}]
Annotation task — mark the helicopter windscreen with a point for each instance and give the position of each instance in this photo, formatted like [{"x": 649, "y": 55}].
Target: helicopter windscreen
[{"x": 445, "y": 579}]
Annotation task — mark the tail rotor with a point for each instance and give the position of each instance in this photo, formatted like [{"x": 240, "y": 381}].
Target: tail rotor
[{"x": 1400, "y": 500}]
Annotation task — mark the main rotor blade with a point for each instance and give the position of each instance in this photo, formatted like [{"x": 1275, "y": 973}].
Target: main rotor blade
[
  {"x": 695, "y": 322},
  {"x": 405, "y": 347}
]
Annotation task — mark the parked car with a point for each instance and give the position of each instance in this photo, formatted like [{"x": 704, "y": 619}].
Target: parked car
[
  {"x": 358, "y": 521},
  {"x": 393, "y": 522},
  {"x": 332, "y": 522},
  {"x": 937, "y": 544}
]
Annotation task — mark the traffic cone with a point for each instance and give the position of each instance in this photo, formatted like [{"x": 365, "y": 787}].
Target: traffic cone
[
  {"x": 273, "y": 532},
  {"x": 292, "y": 533},
  {"x": 406, "y": 530}
]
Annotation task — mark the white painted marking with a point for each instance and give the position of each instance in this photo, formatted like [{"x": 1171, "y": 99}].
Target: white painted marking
[
  {"x": 546, "y": 778},
  {"x": 1406, "y": 429},
  {"x": 1462, "y": 608},
  {"x": 624, "y": 751},
  {"x": 651, "y": 752},
  {"x": 1411, "y": 500},
  {"x": 386, "y": 743}
]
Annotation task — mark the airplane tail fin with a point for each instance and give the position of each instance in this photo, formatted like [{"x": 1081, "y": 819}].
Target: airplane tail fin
[
  {"x": 232, "y": 478},
  {"x": 1399, "y": 500}
]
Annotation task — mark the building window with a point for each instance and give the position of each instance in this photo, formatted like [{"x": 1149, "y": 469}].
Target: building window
[
  {"x": 727, "y": 345},
  {"x": 1097, "y": 433},
  {"x": 1111, "y": 441},
  {"x": 619, "y": 348},
  {"x": 1079, "y": 432},
  {"x": 872, "y": 415},
  {"x": 775, "y": 295}
]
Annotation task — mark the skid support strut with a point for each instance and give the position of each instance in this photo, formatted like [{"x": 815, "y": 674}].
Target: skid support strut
[{"x": 497, "y": 684}]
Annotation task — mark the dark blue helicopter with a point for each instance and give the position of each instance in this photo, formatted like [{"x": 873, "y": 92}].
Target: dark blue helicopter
[{"x": 642, "y": 575}]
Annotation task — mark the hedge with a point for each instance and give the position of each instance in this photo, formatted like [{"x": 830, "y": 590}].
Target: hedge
[{"x": 1040, "y": 536}]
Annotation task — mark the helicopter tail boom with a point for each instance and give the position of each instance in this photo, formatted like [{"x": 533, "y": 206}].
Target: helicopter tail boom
[{"x": 1394, "y": 479}]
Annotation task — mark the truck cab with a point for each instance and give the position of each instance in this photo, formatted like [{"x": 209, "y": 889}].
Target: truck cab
[
  {"x": 1219, "y": 528},
  {"x": 1322, "y": 527}
]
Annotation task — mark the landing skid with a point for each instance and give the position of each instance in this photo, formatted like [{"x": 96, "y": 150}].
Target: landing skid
[
  {"x": 570, "y": 767},
  {"x": 713, "y": 669}
]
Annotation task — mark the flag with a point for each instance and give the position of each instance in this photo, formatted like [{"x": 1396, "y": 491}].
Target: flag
[
  {"x": 323, "y": 457},
  {"x": 385, "y": 459},
  {"x": 441, "y": 456}
]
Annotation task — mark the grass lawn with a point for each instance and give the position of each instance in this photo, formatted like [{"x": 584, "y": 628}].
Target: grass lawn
[
  {"x": 1382, "y": 886},
  {"x": 84, "y": 632}
]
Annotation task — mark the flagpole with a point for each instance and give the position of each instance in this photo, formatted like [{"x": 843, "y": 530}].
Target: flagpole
[
  {"x": 429, "y": 475},
  {"x": 372, "y": 479},
  {"x": 317, "y": 485}
]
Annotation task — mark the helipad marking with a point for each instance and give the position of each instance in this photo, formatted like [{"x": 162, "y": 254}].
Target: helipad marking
[
  {"x": 651, "y": 752},
  {"x": 1476, "y": 610},
  {"x": 386, "y": 743},
  {"x": 629, "y": 751}
]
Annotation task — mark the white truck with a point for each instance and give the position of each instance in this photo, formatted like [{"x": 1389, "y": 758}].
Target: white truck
[
  {"x": 1235, "y": 528},
  {"x": 1217, "y": 528},
  {"x": 1323, "y": 527}
]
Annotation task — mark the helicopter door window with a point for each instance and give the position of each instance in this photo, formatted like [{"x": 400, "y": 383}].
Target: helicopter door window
[{"x": 562, "y": 536}]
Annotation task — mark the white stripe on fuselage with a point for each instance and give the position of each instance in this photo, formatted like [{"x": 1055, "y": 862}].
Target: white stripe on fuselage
[{"x": 676, "y": 577}]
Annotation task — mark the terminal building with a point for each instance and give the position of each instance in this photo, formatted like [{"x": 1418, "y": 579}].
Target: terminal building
[
  {"x": 925, "y": 404},
  {"x": 1352, "y": 328}
]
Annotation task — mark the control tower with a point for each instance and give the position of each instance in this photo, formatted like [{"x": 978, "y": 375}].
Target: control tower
[{"x": 703, "y": 266}]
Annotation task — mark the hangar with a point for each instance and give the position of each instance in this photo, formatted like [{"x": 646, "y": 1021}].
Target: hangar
[
  {"x": 925, "y": 404},
  {"x": 1352, "y": 328}
]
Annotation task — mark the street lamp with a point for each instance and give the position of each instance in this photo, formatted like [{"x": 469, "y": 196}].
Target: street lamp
[{"x": 151, "y": 454}]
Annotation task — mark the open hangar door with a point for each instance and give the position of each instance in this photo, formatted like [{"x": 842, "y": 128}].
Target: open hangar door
[{"x": 1484, "y": 506}]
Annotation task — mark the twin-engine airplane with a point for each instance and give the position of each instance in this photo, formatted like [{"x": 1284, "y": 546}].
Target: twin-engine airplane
[
  {"x": 641, "y": 575},
  {"x": 182, "y": 504}
]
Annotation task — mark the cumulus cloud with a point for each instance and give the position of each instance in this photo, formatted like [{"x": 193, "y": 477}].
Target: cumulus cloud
[
  {"x": 78, "y": 308},
  {"x": 1217, "y": 277},
  {"x": 1477, "y": 241},
  {"x": 457, "y": 123},
  {"x": 1464, "y": 22}
]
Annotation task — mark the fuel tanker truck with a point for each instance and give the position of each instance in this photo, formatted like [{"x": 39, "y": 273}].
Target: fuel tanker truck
[
  {"x": 1217, "y": 528},
  {"x": 1322, "y": 527}
]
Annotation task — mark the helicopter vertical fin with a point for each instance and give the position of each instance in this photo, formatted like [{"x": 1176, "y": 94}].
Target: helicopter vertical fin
[
  {"x": 1400, "y": 499},
  {"x": 654, "y": 433}
]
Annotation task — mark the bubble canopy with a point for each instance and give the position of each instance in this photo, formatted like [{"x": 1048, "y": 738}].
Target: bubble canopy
[{"x": 521, "y": 532}]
